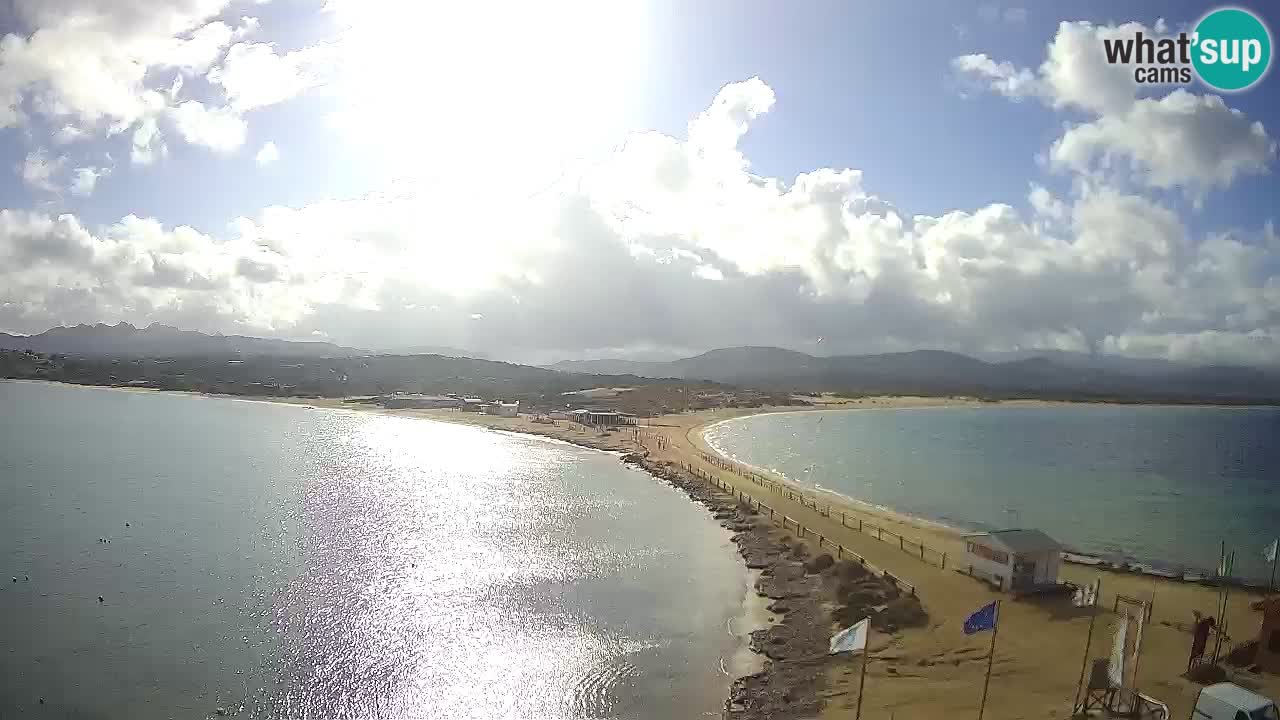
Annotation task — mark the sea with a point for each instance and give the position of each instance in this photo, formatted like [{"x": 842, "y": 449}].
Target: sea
[
  {"x": 179, "y": 556},
  {"x": 1160, "y": 486}
]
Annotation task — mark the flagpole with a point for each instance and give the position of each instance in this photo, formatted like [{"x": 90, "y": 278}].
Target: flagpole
[
  {"x": 1222, "y": 616},
  {"x": 995, "y": 630},
  {"x": 1088, "y": 640},
  {"x": 866, "y": 657}
]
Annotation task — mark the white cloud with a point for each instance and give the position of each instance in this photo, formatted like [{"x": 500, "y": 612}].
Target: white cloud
[
  {"x": 1004, "y": 77},
  {"x": 221, "y": 129},
  {"x": 100, "y": 68},
  {"x": 89, "y": 61},
  {"x": 667, "y": 235},
  {"x": 254, "y": 75},
  {"x": 85, "y": 179},
  {"x": 148, "y": 144},
  {"x": 38, "y": 170},
  {"x": 268, "y": 154},
  {"x": 1181, "y": 140},
  {"x": 248, "y": 26},
  {"x": 68, "y": 134}
]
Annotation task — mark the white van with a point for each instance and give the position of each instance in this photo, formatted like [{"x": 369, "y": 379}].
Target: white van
[{"x": 1226, "y": 701}]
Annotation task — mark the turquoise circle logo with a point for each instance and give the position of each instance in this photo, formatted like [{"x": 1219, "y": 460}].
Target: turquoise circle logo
[{"x": 1232, "y": 49}]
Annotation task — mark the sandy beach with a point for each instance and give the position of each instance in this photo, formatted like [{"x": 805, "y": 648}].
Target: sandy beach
[
  {"x": 935, "y": 671},
  {"x": 938, "y": 671}
]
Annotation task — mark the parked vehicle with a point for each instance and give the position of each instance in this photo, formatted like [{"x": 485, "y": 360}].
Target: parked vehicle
[{"x": 1225, "y": 701}]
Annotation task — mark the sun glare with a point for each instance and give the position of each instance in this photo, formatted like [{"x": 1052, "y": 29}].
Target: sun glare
[{"x": 509, "y": 91}]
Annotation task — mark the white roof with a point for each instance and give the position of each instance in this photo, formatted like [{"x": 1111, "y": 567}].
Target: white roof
[
  {"x": 1020, "y": 541},
  {"x": 1236, "y": 696}
]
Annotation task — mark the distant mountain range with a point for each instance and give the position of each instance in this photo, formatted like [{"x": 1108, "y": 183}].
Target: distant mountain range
[
  {"x": 1052, "y": 374},
  {"x": 125, "y": 340},
  {"x": 156, "y": 340},
  {"x": 1046, "y": 374}
]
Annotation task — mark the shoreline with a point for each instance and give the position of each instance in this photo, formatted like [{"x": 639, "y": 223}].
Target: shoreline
[
  {"x": 1120, "y": 562},
  {"x": 1116, "y": 562},
  {"x": 921, "y": 672}
]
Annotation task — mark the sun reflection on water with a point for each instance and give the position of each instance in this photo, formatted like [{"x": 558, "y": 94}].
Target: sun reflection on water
[{"x": 456, "y": 574}]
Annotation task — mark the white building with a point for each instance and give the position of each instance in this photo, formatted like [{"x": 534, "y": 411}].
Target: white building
[
  {"x": 502, "y": 409},
  {"x": 410, "y": 400},
  {"x": 1013, "y": 560}
]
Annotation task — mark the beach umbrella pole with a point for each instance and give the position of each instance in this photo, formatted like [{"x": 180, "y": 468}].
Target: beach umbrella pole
[
  {"x": 995, "y": 630},
  {"x": 862, "y": 681}
]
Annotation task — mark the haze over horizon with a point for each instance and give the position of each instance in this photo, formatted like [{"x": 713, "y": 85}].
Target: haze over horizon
[{"x": 374, "y": 175}]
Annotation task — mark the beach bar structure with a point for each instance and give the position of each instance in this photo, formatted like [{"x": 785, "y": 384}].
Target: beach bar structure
[
  {"x": 502, "y": 409},
  {"x": 602, "y": 418},
  {"x": 1014, "y": 560},
  {"x": 409, "y": 400}
]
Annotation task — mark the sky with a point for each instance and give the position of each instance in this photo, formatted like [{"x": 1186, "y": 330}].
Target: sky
[{"x": 561, "y": 180}]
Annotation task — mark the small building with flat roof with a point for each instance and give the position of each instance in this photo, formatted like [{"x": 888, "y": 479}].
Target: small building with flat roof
[
  {"x": 409, "y": 400},
  {"x": 602, "y": 418},
  {"x": 1015, "y": 560},
  {"x": 502, "y": 409}
]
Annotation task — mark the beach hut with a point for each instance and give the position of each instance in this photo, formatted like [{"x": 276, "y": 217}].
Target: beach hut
[{"x": 1015, "y": 560}]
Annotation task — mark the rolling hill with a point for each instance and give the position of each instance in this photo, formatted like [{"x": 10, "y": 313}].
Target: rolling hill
[{"x": 936, "y": 372}]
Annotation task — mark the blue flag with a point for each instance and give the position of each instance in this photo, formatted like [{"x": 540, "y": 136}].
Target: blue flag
[{"x": 983, "y": 619}]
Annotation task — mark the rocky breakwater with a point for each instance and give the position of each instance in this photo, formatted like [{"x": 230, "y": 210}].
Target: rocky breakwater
[{"x": 811, "y": 597}]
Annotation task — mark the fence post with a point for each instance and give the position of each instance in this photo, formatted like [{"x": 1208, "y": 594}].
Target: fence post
[
  {"x": 880, "y": 533},
  {"x": 839, "y": 551},
  {"x": 901, "y": 546},
  {"x": 859, "y": 524},
  {"x": 842, "y": 519},
  {"x": 944, "y": 561}
]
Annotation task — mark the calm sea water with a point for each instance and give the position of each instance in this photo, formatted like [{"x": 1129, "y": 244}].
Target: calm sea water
[
  {"x": 1162, "y": 484},
  {"x": 292, "y": 562}
]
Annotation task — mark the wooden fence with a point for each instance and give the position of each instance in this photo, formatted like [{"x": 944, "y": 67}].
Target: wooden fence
[
  {"x": 850, "y": 519},
  {"x": 788, "y": 523}
]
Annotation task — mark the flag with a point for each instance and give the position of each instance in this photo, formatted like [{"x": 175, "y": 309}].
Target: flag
[
  {"x": 1269, "y": 552},
  {"x": 851, "y": 639},
  {"x": 983, "y": 619}
]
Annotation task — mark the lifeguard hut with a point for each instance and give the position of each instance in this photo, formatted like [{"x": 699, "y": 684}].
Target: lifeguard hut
[{"x": 1014, "y": 560}]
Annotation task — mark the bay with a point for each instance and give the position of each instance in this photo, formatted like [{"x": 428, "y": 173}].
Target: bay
[
  {"x": 283, "y": 561},
  {"x": 1165, "y": 485}
]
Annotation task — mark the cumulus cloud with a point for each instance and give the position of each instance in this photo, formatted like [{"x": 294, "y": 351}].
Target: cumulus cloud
[
  {"x": 268, "y": 154},
  {"x": 671, "y": 243},
  {"x": 1181, "y": 140},
  {"x": 221, "y": 129},
  {"x": 148, "y": 144},
  {"x": 94, "y": 68},
  {"x": 85, "y": 179},
  {"x": 1003, "y": 77},
  {"x": 38, "y": 169},
  {"x": 254, "y": 75}
]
